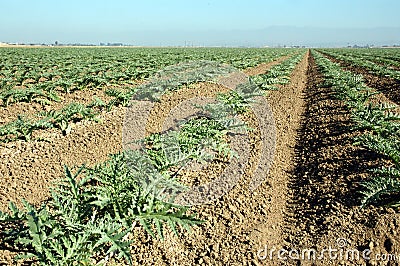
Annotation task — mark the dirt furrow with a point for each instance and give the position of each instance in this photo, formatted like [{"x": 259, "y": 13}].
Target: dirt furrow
[
  {"x": 287, "y": 105},
  {"x": 242, "y": 221},
  {"x": 309, "y": 200},
  {"x": 324, "y": 211}
]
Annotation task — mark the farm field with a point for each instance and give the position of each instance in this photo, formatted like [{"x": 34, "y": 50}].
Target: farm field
[{"x": 315, "y": 131}]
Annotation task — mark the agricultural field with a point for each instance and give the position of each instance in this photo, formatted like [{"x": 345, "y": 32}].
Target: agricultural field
[{"x": 199, "y": 156}]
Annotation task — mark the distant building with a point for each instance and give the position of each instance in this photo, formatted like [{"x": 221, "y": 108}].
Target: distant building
[{"x": 115, "y": 44}]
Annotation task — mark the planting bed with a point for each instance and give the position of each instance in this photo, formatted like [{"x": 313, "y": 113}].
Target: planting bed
[{"x": 309, "y": 199}]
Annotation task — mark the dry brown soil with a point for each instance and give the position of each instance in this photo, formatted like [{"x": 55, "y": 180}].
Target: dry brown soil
[
  {"x": 324, "y": 206},
  {"x": 308, "y": 200}
]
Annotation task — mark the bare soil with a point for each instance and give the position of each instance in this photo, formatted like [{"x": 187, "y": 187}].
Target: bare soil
[
  {"x": 324, "y": 207},
  {"x": 308, "y": 200},
  {"x": 241, "y": 221},
  {"x": 28, "y": 169}
]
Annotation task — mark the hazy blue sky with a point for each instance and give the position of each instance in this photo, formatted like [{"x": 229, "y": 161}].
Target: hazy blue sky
[{"x": 169, "y": 22}]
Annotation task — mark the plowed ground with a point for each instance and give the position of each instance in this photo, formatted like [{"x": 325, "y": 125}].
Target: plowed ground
[{"x": 309, "y": 199}]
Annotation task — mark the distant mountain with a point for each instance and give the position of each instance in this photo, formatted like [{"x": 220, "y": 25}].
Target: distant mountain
[
  {"x": 270, "y": 36},
  {"x": 332, "y": 37}
]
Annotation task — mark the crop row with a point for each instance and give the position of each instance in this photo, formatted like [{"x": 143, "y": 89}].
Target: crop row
[
  {"x": 278, "y": 74},
  {"x": 387, "y": 57},
  {"x": 383, "y": 68},
  {"x": 92, "y": 213},
  {"x": 46, "y": 72},
  {"x": 22, "y": 128},
  {"x": 379, "y": 127}
]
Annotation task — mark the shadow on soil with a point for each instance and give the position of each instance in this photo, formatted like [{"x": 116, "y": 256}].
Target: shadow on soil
[{"x": 328, "y": 167}]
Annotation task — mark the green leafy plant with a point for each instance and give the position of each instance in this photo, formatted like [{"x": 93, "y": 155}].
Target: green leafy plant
[
  {"x": 190, "y": 142},
  {"x": 388, "y": 146},
  {"x": 66, "y": 85},
  {"x": 263, "y": 83},
  {"x": 93, "y": 80},
  {"x": 91, "y": 213},
  {"x": 119, "y": 97},
  {"x": 356, "y": 97},
  {"x": 240, "y": 100},
  {"x": 71, "y": 113},
  {"x": 22, "y": 128},
  {"x": 381, "y": 125},
  {"x": 377, "y": 118},
  {"x": 278, "y": 74},
  {"x": 28, "y": 95},
  {"x": 97, "y": 103},
  {"x": 384, "y": 183}
]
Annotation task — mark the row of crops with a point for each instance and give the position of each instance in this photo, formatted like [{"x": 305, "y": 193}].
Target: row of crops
[
  {"x": 378, "y": 125},
  {"x": 36, "y": 77},
  {"x": 92, "y": 213},
  {"x": 381, "y": 62},
  {"x": 41, "y": 74},
  {"x": 386, "y": 57}
]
